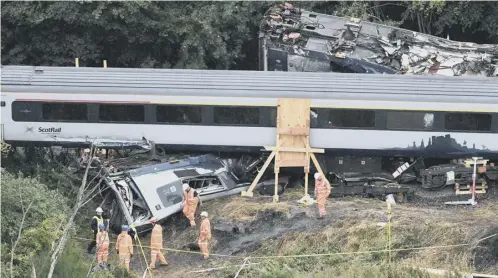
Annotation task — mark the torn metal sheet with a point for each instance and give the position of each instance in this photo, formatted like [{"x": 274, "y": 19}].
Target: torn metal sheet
[
  {"x": 299, "y": 40},
  {"x": 105, "y": 143},
  {"x": 156, "y": 190}
]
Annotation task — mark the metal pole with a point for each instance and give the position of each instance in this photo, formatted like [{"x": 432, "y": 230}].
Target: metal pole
[
  {"x": 474, "y": 181},
  {"x": 265, "y": 55},
  {"x": 389, "y": 232},
  {"x": 77, "y": 62},
  {"x": 105, "y": 64}
]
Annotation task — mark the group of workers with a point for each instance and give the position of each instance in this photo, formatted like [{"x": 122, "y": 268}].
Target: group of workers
[
  {"x": 124, "y": 242},
  {"x": 190, "y": 201}
]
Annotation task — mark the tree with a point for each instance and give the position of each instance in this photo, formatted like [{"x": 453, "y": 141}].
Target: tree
[
  {"x": 129, "y": 34},
  {"x": 27, "y": 230}
]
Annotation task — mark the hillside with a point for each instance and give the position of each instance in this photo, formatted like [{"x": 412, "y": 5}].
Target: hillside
[{"x": 259, "y": 230}]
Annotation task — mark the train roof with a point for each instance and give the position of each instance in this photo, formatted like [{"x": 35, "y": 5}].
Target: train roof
[
  {"x": 238, "y": 83},
  {"x": 362, "y": 46}
]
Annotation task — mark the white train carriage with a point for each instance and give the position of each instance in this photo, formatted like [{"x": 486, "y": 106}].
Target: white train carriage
[{"x": 360, "y": 114}]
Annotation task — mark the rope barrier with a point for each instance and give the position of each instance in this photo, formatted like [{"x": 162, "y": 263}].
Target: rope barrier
[
  {"x": 143, "y": 254},
  {"x": 323, "y": 254}
]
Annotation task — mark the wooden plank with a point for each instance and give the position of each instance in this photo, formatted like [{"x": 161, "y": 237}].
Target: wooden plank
[
  {"x": 261, "y": 172},
  {"x": 296, "y": 150},
  {"x": 292, "y": 163},
  {"x": 303, "y": 131},
  {"x": 292, "y": 114}
]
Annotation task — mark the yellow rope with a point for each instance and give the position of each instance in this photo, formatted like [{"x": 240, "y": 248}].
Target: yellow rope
[
  {"x": 324, "y": 254},
  {"x": 143, "y": 253}
]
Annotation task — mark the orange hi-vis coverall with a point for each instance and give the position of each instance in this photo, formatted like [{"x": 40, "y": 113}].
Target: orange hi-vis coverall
[
  {"x": 102, "y": 240},
  {"x": 322, "y": 192},
  {"x": 124, "y": 246},
  {"x": 204, "y": 237},
  {"x": 190, "y": 205},
  {"x": 156, "y": 246}
]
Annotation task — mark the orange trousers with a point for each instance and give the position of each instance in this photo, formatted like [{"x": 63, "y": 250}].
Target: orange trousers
[
  {"x": 102, "y": 254},
  {"x": 321, "y": 199},
  {"x": 124, "y": 261},
  {"x": 203, "y": 245},
  {"x": 154, "y": 255},
  {"x": 189, "y": 212}
]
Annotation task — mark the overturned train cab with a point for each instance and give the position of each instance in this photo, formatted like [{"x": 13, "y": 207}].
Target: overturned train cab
[{"x": 136, "y": 195}]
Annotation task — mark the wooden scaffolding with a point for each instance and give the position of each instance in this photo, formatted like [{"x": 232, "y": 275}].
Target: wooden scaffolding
[{"x": 292, "y": 145}]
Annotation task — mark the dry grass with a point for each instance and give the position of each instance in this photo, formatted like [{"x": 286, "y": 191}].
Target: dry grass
[
  {"x": 244, "y": 209},
  {"x": 354, "y": 235},
  {"x": 294, "y": 193}
]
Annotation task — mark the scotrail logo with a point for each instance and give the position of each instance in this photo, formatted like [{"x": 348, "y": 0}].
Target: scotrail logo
[{"x": 50, "y": 130}]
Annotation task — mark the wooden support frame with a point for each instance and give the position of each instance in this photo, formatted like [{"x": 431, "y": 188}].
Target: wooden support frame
[{"x": 292, "y": 144}]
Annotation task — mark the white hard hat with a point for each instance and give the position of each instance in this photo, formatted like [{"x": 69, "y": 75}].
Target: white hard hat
[
  {"x": 99, "y": 209},
  {"x": 185, "y": 186},
  {"x": 204, "y": 214},
  {"x": 317, "y": 175}
]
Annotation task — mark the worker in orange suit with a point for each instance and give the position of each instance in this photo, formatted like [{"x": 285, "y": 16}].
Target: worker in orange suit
[
  {"x": 156, "y": 244},
  {"x": 204, "y": 235},
  {"x": 102, "y": 240},
  {"x": 124, "y": 247},
  {"x": 322, "y": 192},
  {"x": 190, "y": 201}
]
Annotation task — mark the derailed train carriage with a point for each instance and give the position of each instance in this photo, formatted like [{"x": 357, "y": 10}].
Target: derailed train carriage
[
  {"x": 368, "y": 125},
  {"x": 293, "y": 39}
]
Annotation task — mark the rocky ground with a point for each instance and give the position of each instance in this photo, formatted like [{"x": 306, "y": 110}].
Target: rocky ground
[{"x": 255, "y": 227}]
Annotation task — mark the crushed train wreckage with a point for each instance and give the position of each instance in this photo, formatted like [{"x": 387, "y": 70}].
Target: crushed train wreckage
[
  {"x": 150, "y": 188},
  {"x": 134, "y": 196},
  {"x": 293, "y": 39},
  {"x": 155, "y": 189}
]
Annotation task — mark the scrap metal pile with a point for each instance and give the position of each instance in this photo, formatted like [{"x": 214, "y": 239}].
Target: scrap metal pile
[{"x": 319, "y": 42}]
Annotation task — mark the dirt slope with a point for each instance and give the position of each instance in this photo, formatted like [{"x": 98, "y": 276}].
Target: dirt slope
[{"x": 256, "y": 227}]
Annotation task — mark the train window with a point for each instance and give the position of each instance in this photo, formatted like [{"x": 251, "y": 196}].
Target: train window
[
  {"x": 179, "y": 114},
  {"x": 121, "y": 113},
  {"x": 468, "y": 122},
  {"x": 410, "y": 120},
  {"x": 351, "y": 118},
  {"x": 236, "y": 115},
  {"x": 26, "y": 111},
  {"x": 65, "y": 112},
  {"x": 313, "y": 117}
]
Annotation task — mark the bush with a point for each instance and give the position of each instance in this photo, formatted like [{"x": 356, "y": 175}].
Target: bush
[
  {"x": 70, "y": 264},
  {"x": 42, "y": 224}
]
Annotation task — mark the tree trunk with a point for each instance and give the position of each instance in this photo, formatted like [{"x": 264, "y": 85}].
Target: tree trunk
[{"x": 65, "y": 234}]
